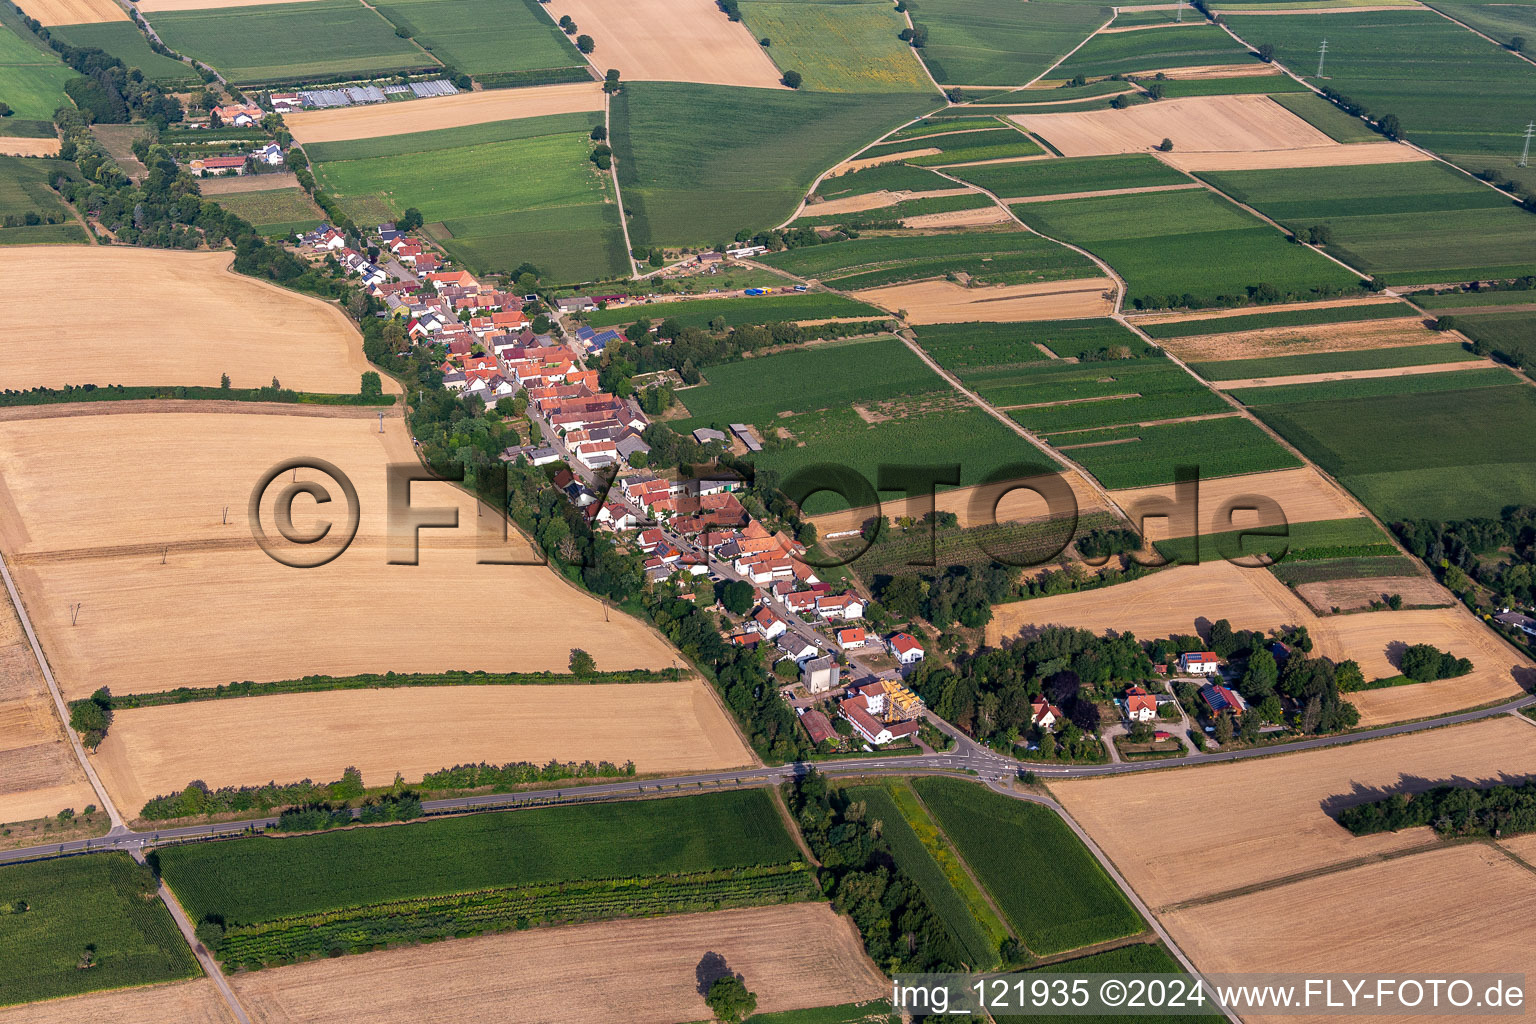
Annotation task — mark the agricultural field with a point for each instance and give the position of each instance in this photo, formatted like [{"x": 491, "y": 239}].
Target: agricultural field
[
  {"x": 185, "y": 1002},
  {"x": 1278, "y": 817},
  {"x": 123, "y": 40},
  {"x": 1187, "y": 249},
  {"x": 1267, "y": 343},
  {"x": 887, "y": 178},
  {"x": 756, "y": 309},
  {"x": 671, "y": 41},
  {"x": 490, "y": 40},
  {"x": 1302, "y": 541},
  {"x": 1456, "y": 456},
  {"x": 925, "y": 855},
  {"x": 180, "y": 577},
  {"x": 977, "y": 352},
  {"x": 1197, "y": 44},
  {"x": 1454, "y": 93},
  {"x": 283, "y": 42},
  {"x": 1325, "y": 117},
  {"x": 1143, "y": 455},
  {"x": 1047, "y": 884},
  {"x": 666, "y": 727},
  {"x": 31, "y": 80},
  {"x": 941, "y": 302},
  {"x": 759, "y": 150},
  {"x": 171, "y": 318},
  {"x": 918, "y": 211},
  {"x": 960, "y": 147},
  {"x": 856, "y": 403},
  {"x": 86, "y": 923},
  {"x": 1303, "y": 496},
  {"x": 506, "y": 113},
  {"x": 1164, "y": 326},
  {"x": 74, "y": 12},
  {"x": 1410, "y": 221},
  {"x": 1198, "y": 124},
  {"x": 546, "y": 202},
  {"x": 838, "y": 47},
  {"x": 1334, "y": 362},
  {"x": 1510, "y": 336},
  {"x": 39, "y": 775},
  {"x": 1070, "y": 176},
  {"x": 1010, "y": 257},
  {"x": 990, "y": 42},
  {"x": 1041, "y": 393},
  {"x": 24, "y": 189},
  {"x": 277, "y": 212},
  {"x": 1270, "y": 85},
  {"x": 795, "y": 957}
]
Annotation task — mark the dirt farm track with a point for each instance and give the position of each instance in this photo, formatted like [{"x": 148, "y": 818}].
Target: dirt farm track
[
  {"x": 168, "y": 318},
  {"x": 636, "y": 971}
]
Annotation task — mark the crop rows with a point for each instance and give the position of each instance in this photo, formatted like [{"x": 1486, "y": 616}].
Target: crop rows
[
  {"x": 1280, "y": 318},
  {"x": 962, "y": 348},
  {"x": 370, "y": 926}
]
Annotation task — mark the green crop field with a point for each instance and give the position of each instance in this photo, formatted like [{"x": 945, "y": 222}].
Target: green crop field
[
  {"x": 996, "y": 42},
  {"x": 897, "y": 552},
  {"x": 1412, "y": 217},
  {"x": 993, "y": 143},
  {"x": 1334, "y": 362},
  {"x": 1074, "y": 174},
  {"x": 1012, "y": 257},
  {"x": 278, "y": 211},
  {"x": 84, "y": 923},
  {"x": 123, "y": 40},
  {"x": 1142, "y": 456},
  {"x": 1458, "y": 298},
  {"x": 25, "y": 188},
  {"x": 1461, "y": 96},
  {"x": 837, "y": 45},
  {"x": 1193, "y": 45},
  {"x": 914, "y": 207},
  {"x": 286, "y": 42},
  {"x": 1045, "y": 881},
  {"x": 1503, "y": 21},
  {"x": 1101, "y": 395},
  {"x": 940, "y": 125},
  {"x": 926, "y": 857},
  {"x": 1301, "y": 542},
  {"x": 454, "y": 138},
  {"x": 264, "y": 878},
  {"x": 889, "y": 177},
  {"x": 1281, "y": 318},
  {"x": 1325, "y": 117},
  {"x": 533, "y": 197},
  {"x": 1269, "y": 84},
  {"x": 1187, "y": 248},
  {"x": 1510, "y": 336},
  {"x": 1371, "y": 387},
  {"x": 1138, "y": 958},
  {"x": 754, "y": 309},
  {"x": 877, "y": 1012},
  {"x": 1455, "y": 455},
  {"x": 976, "y": 352},
  {"x": 485, "y": 37},
  {"x": 31, "y": 80},
  {"x": 758, "y": 150}
]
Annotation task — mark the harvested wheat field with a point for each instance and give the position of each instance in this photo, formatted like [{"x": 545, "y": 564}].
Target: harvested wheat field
[
  {"x": 943, "y": 302},
  {"x": 157, "y": 6},
  {"x": 1523, "y": 847},
  {"x": 39, "y": 775},
  {"x": 876, "y": 200},
  {"x": 1302, "y": 494},
  {"x": 1195, "y": 124},
  {"x": 74, "y": 12},
  {"x": 959, "y": 218},
  {"x": 168, "y": 318},
  {"x": 182, "y": 1002},
  {"x": 1386, "y": 371},
  {"x": 1299, "y": 341},
  {"x": 1461, "y": 909},
  {"x": 135, "y": 533},
  {"x": 249, "y": 182},
  {"x": 466, "y": 108},
  {"x": 638, "y": 971},
  {"x": 975, "y": 506},
  {"x": 670, "y": 727},
  {"x": 1219, "y": 314},
  {"x": 1274, "y": 821},
  {"x": 13, "y": 146},
  {"x": 1376, "y": 640},
  {"x": 672, "y": 41},
  {"x": 1338, "y": 155},
  {"x": 1348, "y": 595}
]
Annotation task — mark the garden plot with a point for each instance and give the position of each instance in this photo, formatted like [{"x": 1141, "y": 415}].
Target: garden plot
[
  {"x": 1195, "y": 124},
  {"x": 671, "y": 41}
]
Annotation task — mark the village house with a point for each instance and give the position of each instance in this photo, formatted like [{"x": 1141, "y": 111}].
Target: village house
[
  {"x": 1218, "y": 699},
  {"x": 852, "y": 638},
  {"x": 846, "y": 607},
  {"x": 906, "y": 648},
  {"x": 861, "y": 709},
  {"x": 1140, "y": 706},
  {"x": 769, "y": 624},
  {"x": 238, "y": 115},
  {"x": 1044, "y": 714},
  {"x": 1200, "y": 663}
]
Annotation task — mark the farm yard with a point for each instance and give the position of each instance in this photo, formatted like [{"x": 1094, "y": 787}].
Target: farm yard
[
  {"x": 1188, "y": 249},
  {"x": 285, "y": 41},
  {"x": 171, "y": 318},
  {"x": 177, "y": 605},
  {"x": 797, "y": 956},
  {"x": 838, "y": 47},
  {"x": 511, "y": 43},
  {"x": 438, "y": 113},
  {"x": 504, "y": 192},
  {"x": 99, "y": 907},
  {"x": 661, "y": 727},
  {"x": 671, "y": 41}
]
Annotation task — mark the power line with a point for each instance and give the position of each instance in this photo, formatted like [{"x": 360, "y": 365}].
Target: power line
[
  {"x": 1322, "y": 51},
  {"x": 1526, "y": 152}
]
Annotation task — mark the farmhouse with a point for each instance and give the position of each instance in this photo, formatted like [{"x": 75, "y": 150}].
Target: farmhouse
[
  {"x": 1140, "y": 706},
  {"x": 216, "y": 165},
  {"x": 906, "y": 648},
  {"x": 238, "y": 115},
  {"x": 1200, "y": 663}
]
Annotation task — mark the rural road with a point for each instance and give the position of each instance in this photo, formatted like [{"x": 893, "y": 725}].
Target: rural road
[{"x": 969, "y": 759}]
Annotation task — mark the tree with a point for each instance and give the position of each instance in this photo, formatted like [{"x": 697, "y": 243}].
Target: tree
[
  {"x": 410, "y": 220},
  {"x": 1166, "y": 146},
  {"x": 1390, "y": 126},
  {"x": 567, "y": 24},
  {"x": 5, "y": 108},
  {"x": 599, "y": 134},
  {"x": 224, "y": 381},
  {"x": 1266, "y": 52},
  {"x": 765, "y": 41},
  {"x": 1517, "y": 43},
  {"x": 372, "y": 385},
  {"x": 582, "y": 663},
  {"x": 92, "y": 717},
  {"x": 611, "y": 81},
  {"x": 792, "y": 79},
  {"x": 1223, "y": 728},
  {"x": 1260, "y": 678},
  {"x": 729, "y": 999},
  {"x": 585, "y": 44},
  {"x": 736, "y": 596}
]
